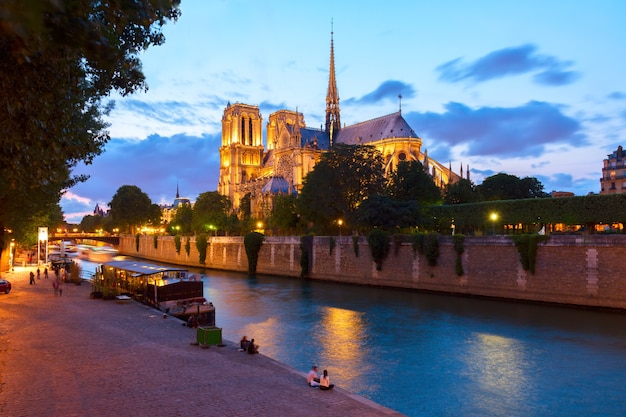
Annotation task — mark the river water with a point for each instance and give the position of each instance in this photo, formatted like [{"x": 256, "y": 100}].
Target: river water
[{"x": 432, "y": 355}]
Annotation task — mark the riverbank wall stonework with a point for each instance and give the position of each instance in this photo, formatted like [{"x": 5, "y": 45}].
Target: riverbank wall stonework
[{"x": 580, "y": 270}]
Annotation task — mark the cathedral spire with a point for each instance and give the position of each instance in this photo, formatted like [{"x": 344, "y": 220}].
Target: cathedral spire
[
  {"x": 333, "y": 121},
  {"x": 177, "y": 195}
]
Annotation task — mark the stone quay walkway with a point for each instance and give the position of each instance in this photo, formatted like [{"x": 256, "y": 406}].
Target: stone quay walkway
[{"x": 70, "y": 355}]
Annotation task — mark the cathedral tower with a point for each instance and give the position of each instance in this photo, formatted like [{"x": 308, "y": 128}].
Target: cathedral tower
[
  {"x": 241, "y": 153},
  {"x": 333, "y": 120}
]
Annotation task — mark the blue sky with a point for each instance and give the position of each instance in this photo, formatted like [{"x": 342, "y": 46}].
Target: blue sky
[{"x": 532, "y": 88}]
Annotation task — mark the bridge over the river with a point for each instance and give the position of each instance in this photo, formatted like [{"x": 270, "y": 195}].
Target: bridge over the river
[{"x": 82, "y": 237}]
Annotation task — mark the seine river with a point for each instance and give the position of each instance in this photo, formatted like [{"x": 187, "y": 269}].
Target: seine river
[{"x": 432, "y": 355}]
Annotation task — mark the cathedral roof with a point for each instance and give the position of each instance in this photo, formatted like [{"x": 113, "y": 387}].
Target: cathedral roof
[
  {"x": 277, "y": 185},
  {"x": 384, "y": 127},
  {"x": 314, "y": 137}
]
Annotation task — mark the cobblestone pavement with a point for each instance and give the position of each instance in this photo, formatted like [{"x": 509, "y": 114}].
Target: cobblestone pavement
[{"x": 71, "y": 355}]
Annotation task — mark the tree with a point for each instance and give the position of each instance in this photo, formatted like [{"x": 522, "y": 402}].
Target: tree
[
  {"x": 91, "y": 223},
  {"x": 462, "y": 191},
  {"x": 130, "y": 207},
  {"x": 509, "y": 187},
  {"x": 211, "y": 209},
  {"x": 343, "y": 178},
  {"x": 381, "y": 211},
  {"x": 284, "y": 215},
  {"x": 409, "y": 181},
  {"x": 183, "y": 218},
  {"x": 58, "y": 61}
]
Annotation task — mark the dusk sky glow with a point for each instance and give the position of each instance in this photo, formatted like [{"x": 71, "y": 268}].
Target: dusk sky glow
[{"x": 533, "y": 88}]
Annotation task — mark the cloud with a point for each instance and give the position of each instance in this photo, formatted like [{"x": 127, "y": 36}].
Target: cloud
[
  {"x": 617, "y": 95},
  {"x": 389, "y": 90},
  {"x": 497, "y": 131},
  {"x": 509, "y": 61},
  {"x": 157, "y": 165}
]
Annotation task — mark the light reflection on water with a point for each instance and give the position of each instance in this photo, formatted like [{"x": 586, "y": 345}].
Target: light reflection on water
[{"x": 432, "y": 355}]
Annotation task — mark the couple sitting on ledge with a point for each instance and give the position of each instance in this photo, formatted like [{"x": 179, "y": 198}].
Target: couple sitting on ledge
[
  {"x": 249, "y": 346},
  {"x": 323, "y": 382}
]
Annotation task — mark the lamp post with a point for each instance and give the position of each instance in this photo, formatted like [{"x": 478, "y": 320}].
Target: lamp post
[
  {"x": 340, "y": 223},
  {"x": 494, "y": 218}
]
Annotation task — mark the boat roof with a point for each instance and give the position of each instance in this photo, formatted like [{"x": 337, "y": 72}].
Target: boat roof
[{"x": 141, "y": 267}]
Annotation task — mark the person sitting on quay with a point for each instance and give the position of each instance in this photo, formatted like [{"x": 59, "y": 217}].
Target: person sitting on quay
[
  {"x": 312, "y": 379},
  {"x": 325, "y": 381},
  {"x": 243, "y": 344},
  {"x": 252, "y": 348}
]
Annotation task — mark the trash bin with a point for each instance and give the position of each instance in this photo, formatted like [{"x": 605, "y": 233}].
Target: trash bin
[{"x": 209, "y": 335}]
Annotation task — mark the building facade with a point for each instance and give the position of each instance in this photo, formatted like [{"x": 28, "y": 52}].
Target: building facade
[
  {"x": 613, "y": 179},
  {"x": 292, "y": 148}
]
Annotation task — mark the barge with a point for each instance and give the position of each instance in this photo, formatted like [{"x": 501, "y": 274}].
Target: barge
[{"x": 171, "y": 290}]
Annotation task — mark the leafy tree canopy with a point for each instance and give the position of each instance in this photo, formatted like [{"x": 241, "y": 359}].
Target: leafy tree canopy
[
  {"x": 409, "y": 181},
  {"x": 130, "y": 208},
  {"x": 509, "y": 187},
  {"x": 343, "y": 178},
  {"x": 462, "y": 191},
  {"x": 58, "y": 61},
  {"x": 182, "y": 219},
  {"x": 211, "y": 209}
]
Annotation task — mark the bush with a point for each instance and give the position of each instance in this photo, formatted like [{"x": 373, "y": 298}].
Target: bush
[
  {"x": 379, "y": 246},
  {"x": 526, "y": 246},
  {"x": 431, "y": 248},
  {"x": 253, "y": 242},
  {"x": 355, "y": 245},
  {"x": 459, "y": 248},
  {"x": 201, "y": 244},
  {"x": 188, "y": 245},
  {"x": 306, "y": 245},
  {"x": 177, "y": 244}
]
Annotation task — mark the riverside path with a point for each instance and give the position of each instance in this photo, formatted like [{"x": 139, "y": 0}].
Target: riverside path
[{"x": 74, "y": 356}]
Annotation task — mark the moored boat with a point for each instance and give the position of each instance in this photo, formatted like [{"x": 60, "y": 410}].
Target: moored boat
[{"x": 170, "y": 289}]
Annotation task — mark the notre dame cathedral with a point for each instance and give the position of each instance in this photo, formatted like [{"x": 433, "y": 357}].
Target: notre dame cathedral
[{"x": 246, "y": 166}]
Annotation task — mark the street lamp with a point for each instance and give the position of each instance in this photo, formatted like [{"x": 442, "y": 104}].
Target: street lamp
[
  {"x": 494, "y": 218},
  {"x": 340, "y": 223}
]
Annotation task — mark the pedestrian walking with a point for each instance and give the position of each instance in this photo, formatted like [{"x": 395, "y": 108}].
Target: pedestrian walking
[
  {"x": 60, "y": 288},
  {"x": 45, "y": 272},
  {"x": 38, "y": 274},
  {"x": 55, "y": 286},
  {"x": 32, "y": 278}
]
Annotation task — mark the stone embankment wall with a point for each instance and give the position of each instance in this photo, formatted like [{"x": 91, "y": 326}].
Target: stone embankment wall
[{"x": 577, "y": 270}]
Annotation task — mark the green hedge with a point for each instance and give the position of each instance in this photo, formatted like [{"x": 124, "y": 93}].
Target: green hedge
[{"x": 585, "y": 210}]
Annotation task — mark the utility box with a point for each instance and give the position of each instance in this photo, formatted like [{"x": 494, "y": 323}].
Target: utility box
[{"x": 209, "y": 335}]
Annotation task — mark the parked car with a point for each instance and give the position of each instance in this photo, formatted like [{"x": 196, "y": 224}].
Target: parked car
[{"x": 5, "y": 286}]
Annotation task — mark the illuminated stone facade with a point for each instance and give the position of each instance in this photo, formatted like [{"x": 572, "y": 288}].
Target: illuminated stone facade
[
  {"x": 613, "y": 179},
  {"x": 293, "y": 149}
]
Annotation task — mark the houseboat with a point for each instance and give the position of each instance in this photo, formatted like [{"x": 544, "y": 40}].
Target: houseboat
[{"x": 170, "y": 289}]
